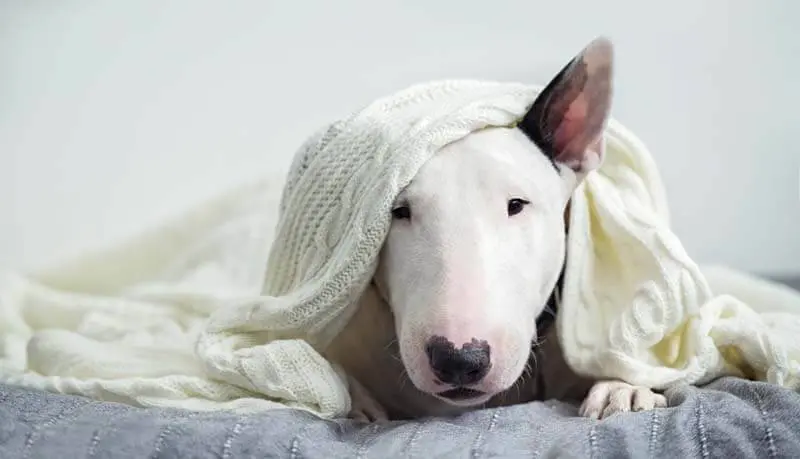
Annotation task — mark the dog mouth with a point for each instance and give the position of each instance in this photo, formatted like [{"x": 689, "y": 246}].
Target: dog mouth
[{"x": 461, "y": 394}]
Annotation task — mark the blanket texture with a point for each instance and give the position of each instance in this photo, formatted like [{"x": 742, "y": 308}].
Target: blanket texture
[
  {"x": 211, "y": 312},
  {"x": 730, "y": 418}
]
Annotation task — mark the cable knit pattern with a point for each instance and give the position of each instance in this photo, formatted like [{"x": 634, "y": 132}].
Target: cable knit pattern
[{"x": 223, "y": 308}]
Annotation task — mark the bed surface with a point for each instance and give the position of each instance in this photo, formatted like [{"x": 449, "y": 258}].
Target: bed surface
[{"x": 729, "y": 418}]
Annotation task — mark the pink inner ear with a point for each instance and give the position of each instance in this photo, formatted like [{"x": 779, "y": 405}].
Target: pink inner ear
[
  {"x": 577, "y": 135},
  {"x": 572, "y": 127}
]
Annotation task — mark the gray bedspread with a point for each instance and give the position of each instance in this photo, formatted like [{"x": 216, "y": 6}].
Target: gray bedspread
[{"x": 730, "y": 418}]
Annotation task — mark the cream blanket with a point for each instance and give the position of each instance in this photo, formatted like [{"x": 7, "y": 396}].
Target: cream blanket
[{"x": 207, "y": 312}]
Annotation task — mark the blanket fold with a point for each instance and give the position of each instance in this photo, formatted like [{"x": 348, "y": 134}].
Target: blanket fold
[{"x": 229, "y": 306}]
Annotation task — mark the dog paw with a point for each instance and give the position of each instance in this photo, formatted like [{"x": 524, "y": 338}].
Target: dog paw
[
  {"x": 607, "y": 398},
  {"x": 363, "y": 406}
]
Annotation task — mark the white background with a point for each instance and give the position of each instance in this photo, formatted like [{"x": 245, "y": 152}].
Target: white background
[{"x": 114, "y": 115}]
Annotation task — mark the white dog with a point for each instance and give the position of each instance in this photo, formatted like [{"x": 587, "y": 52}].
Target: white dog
[{"x": 472, "y": 260}]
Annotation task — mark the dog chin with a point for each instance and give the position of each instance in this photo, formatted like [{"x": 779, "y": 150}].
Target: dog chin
[
  {"x": 463, "y": 397},
  {"x": 478, "y": 399}
]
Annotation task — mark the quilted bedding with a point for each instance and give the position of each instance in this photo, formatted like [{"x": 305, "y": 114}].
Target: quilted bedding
[{"x": 729, "y": 418}]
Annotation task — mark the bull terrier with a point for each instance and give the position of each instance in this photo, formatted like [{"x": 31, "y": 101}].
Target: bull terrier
[{"x": 460, "y": 313}]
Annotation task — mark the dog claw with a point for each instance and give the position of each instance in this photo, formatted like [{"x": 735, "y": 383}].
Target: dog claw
[{"x": 607, "y": 398}]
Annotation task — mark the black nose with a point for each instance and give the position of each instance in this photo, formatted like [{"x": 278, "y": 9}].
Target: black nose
[{"x": 459, "y": 367}]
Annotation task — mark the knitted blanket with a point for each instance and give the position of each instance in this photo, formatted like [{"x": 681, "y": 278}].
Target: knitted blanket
[{"x": 225, "y": 308}]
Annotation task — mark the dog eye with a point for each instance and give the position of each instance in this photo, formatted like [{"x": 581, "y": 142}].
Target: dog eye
[
  {"x": 401, "y": 213},
  {"x": 515, "y": 206}
]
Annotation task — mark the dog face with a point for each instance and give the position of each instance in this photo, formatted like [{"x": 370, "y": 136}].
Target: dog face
[{"x": 477, "y": 240}]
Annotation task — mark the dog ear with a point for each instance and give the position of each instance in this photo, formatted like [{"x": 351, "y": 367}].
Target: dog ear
[{"x": 567, "y": 120}]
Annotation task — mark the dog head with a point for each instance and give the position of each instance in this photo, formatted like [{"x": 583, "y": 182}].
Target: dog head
[{"x": 477, "y": 240}]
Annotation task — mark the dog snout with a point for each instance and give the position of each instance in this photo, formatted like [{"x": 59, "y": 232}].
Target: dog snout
[{"x": 459, "y": 366}]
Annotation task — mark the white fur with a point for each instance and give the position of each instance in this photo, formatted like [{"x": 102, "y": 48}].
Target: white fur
[{"x": 461, "y": 267}]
